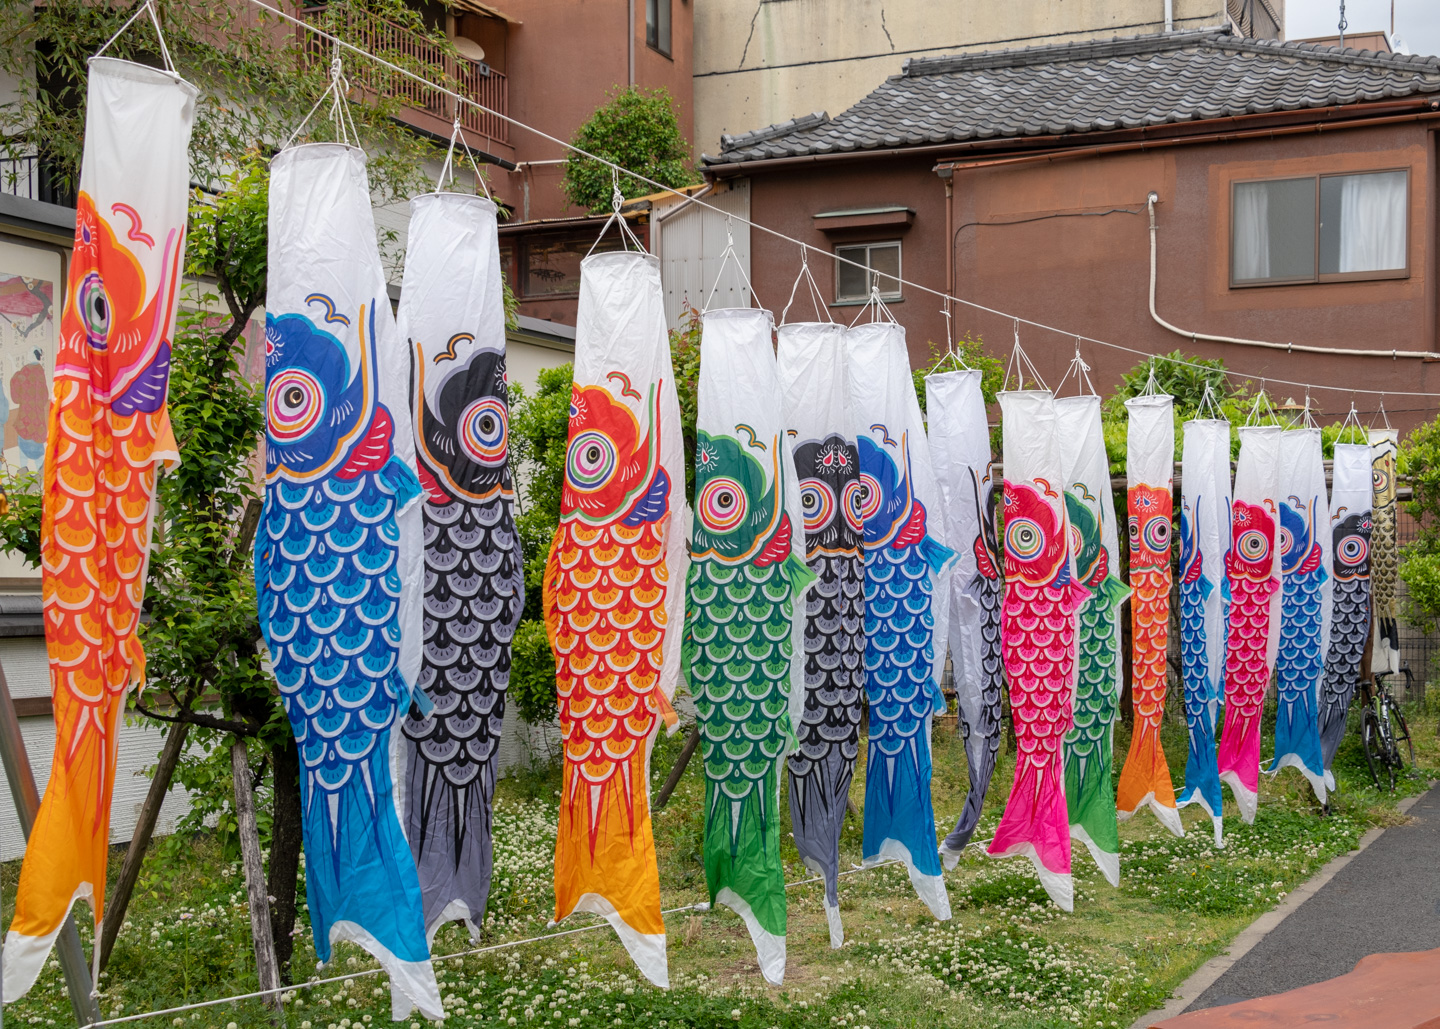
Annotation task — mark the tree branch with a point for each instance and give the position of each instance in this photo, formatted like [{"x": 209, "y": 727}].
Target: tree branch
[{"x": 188, "y": 717}]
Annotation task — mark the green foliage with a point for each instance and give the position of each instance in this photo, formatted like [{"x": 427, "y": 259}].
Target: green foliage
[
  {"x": 257, "y": 77},
  {"x": 532, "y": 674},
  {"x": 20, "y": 514},
  {"x": 685, "y": 360},
  {"x": 1419, "y": 463},
  {"x": 637, "y": 129},
  {"x": 1182, "y": 381}
]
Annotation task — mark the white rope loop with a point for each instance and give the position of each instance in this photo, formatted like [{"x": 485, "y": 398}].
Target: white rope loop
[
  {"x": 617, "y": 201},
  {"x": 148, "y": 7},
  {"x": 821, "y": 308},
  {"x": 729, "y": 256}
]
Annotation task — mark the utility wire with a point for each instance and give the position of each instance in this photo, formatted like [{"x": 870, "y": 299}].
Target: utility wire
[{"x": 460, "y": 98}]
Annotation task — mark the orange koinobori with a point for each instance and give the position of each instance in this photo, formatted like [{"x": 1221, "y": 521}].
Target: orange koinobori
[
  {"x": 614, "y": 597},
  {"x": 108, "y": 430}
]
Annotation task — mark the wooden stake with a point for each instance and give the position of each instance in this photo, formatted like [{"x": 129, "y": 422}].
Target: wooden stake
[
  {"x": 119, "y": 901},
  {"x": 267, "y": 969},
  {"x": 27, "y": 806}
]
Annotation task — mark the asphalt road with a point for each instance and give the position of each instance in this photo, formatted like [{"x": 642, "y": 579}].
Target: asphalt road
[{"x": 1387, "y": 899}]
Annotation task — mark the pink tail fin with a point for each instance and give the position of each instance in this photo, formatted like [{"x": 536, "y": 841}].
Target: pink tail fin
[{"x": 1036, "y": 825}]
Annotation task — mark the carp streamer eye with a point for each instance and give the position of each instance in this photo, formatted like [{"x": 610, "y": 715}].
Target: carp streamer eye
[
  {"x": 1380, "y": 473},
  {"x": 1253, "y": 545},
  {"x": 484, "y": 430},
  {"x": 1353, "y": 549},
  {"x": 1023, "y": 538},
  {"x": 852, "y": 502},
  {"x": 95, "y": 310},
  {"x": 1157, "y": 534},
  {"x": 590, "y": 461},
  {"x": 817, "y": 501},
  {"x": 871, "y": 497},
  {"x": 722, "y": 505},
  {"x": 294, "y": 403}
]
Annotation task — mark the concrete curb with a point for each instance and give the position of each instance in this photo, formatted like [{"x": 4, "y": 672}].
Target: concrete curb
[{"x": 1201, "y": 979}]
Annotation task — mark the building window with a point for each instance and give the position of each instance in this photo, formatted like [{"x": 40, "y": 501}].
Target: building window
[
  {"x": 550, "y": 264},
  {"x": 1320, "y": 228},
  {"x": 879, "y": 265},
  {"x": 657, "y": 25}
]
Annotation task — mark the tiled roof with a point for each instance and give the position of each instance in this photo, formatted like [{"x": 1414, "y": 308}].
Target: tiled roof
[{"x": 1092, "y": 86}]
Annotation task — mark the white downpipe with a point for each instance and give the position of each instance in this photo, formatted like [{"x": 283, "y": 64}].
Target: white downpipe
[
  {"x": 1169, "y": 15},
  {"x": 1288, "y": 347}
]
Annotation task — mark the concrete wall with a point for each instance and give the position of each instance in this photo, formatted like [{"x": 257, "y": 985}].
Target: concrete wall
[
  {"x": 758, "y": 62},
  {"x": 1066, "y": 243}
]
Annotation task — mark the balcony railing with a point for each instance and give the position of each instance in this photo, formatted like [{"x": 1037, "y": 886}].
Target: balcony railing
[
  {"x": 377, "y": 35},
  {"x": 26, "y": 175}
]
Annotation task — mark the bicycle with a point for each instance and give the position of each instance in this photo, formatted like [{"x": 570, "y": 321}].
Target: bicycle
[{"x": 1383, "y": 728}]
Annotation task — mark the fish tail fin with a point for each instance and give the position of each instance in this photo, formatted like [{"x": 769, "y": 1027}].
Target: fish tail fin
[
  {"x": 817, "y": 811},
  {"x": 900, "y": 820},
  {"x": 1237, "y": 760},
  {"x": 65, "y": 857},
  {"x": 1202, "y": 777},
  {"x": 1297, "y": 738},
  {"x": 361, "y": 883},
  {"x": 450, "y": 833},
  {"x": 742, "y": 865},
  {"x": 1145, "y": 779},
  {"x": 1091, "y": 807},
  {"x": 605, "y": 860},
  {"x": 1036, "y": 825},
  {"x": 981, "y": 767}
]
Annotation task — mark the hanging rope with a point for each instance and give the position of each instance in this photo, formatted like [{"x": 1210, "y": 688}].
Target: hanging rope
[
  {"x": 1018, "y": 363},
  {"x": 821, "y": 308},
  {"x": 148, "y": 7},
  {"x": 1083, "y": 386},
  {"x": 458, "y": 136},
  {"x": 729, "y": 256},
  {"x": 660, "y": 186},
  {"x": 617, "y": 201}
]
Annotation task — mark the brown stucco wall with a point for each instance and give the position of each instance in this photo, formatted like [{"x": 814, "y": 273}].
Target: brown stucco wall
[{"x": 1065, "y": 262}]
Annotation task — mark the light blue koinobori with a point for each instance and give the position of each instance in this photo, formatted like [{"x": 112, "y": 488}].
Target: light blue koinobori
[
  {"x": 1202, "y": 691},
  {"x": 328, "y": 586},
  {"x": 339, "y": 557},
  {"x": 901, "y": 560},
  {"x": 1304, "y": 550}
]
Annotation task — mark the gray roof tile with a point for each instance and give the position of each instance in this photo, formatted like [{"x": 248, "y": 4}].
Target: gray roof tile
[{"x": 1091, "y": 86}]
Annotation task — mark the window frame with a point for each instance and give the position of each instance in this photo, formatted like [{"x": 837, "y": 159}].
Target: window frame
[
  {"x": 868, "y": 245},
  {"x": 1319, "y": 277},
  {"x": 667, "y": 51}
]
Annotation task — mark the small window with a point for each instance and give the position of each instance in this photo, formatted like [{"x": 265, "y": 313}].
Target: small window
[
  {"x": 1322, "y": 228},
  {"x": 552, "y": 264},
  {"x": 879, "y": 265},
  {"x": 657, "y": 25}
]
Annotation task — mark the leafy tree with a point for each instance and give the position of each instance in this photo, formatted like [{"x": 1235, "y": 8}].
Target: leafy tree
[
  {"x": 1419, "y": 462},
  {"x": 256, "y": 75},
  {"x": 637, "y": 129}
]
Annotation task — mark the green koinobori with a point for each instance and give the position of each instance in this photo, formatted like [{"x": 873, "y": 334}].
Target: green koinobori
[{"x": 740, "y": 630}]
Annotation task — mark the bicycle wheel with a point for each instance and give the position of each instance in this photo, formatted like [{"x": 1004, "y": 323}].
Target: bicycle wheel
[
  {"x": 1376, "y": 757},
  {"x": 1399, "y": 733}
]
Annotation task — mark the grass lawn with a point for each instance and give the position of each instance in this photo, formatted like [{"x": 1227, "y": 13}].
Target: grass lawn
[{"x": 1008, "y": 958}]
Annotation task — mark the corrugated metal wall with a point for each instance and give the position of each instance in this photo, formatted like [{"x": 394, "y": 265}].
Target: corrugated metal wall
[{"x": 690, "y": 243}]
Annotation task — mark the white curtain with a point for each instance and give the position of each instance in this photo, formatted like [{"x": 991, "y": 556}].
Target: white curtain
[
  {"x": 1372, "y": 222},
  {"x": 1251, "y": 232}
]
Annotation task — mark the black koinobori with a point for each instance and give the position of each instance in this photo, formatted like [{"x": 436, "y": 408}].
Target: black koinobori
[
  {"x": 452, "y": 313},
  {"x": 812, "y": 371},
  {"x": 1352, "y": 523}
]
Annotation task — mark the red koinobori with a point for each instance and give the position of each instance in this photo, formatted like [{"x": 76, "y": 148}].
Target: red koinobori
[{"x": 108, "y": 431}]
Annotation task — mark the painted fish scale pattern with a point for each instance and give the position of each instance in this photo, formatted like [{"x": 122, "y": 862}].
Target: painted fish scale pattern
[
  {"x": 739, "y": 619},
  {"x": 1150, "y": 614},
  {"x": 1194, "y": 657},
  {"x": 474, "y": 590},
  {"x": 1384, "y": 558},
  {"x": 900, "y": 626},
  {"x": 1349, "y": 629},
  {"x": 1039, "y": 673},
  {"x": 609, "y": 591},
  {"x": 1246, "y": 670},
  {"x": 332, "y": 612},
  {"x": 829, "y": 730},
  {"x": 1299, "y": 661},
  {"x": 1096, "y": 703}
]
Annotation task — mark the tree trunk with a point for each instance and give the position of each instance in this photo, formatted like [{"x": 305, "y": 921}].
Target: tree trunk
[
  {"x": 266, "y": 969},
  {"x": 691, "y": 742},
  {"x": 285, "y": 845},
  {"x": 139, "y": 843}
]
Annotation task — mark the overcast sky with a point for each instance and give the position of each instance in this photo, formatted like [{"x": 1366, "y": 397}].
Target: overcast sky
[{"x": 1417, "y": 22}]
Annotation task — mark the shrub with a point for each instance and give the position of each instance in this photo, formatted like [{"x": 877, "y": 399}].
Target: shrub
[{"x": 638, "y": 130}]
